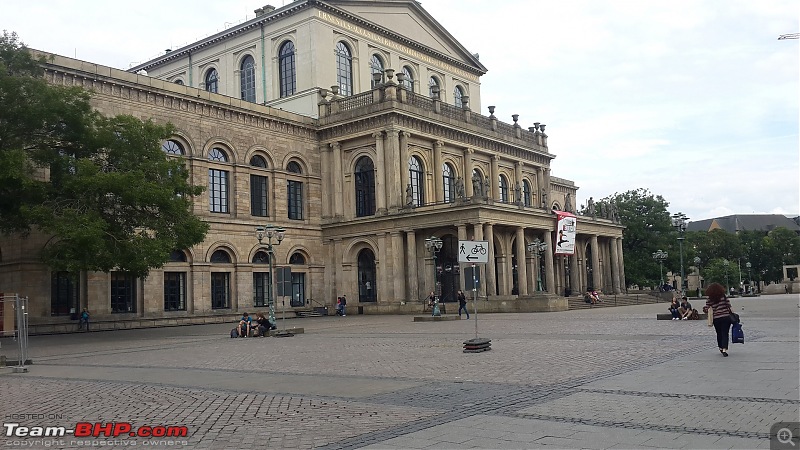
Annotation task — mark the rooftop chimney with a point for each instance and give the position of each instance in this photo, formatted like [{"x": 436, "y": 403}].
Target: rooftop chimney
[{"x": 264, "y": 10}]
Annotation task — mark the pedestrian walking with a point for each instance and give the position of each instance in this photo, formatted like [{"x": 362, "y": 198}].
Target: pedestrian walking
[
  {"x": 462, "y": 303},
  {"x": 719, "y": 305}
]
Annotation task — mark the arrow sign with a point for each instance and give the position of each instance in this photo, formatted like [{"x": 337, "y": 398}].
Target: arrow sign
[{"x": 473, "y": 252}]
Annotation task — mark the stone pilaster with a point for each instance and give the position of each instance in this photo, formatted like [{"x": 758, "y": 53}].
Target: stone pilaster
[
  {"x": 548, "y": 263},
  {"x": 338, "y": 181},
  {"x": 468, "y": 191},
  {"x": 597, "y": 277},
  {"x": 494, "y": 178},
  {"x": 411, "y": 263},
  {"x": 438, "y": 181},
  {"x": 522, "y": 269},
  {"x": 398, "y": 267},
  {"x": 491, "y": 276},
  {"x": 380, "y": 178},
  {"x": 615, "y": 266}
]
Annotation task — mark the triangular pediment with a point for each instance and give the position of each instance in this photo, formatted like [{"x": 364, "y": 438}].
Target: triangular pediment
[{"x": 408, "y": 19}]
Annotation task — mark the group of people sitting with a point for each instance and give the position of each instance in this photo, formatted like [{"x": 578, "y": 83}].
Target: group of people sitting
[
  {"x": 260, "y": 326},
  {"x": 683, "y": 310},
  {"x": 592, "y": 297}
]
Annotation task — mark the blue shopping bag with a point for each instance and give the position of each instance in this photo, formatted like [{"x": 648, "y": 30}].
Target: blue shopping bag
[{"x": 737, "y": 334}]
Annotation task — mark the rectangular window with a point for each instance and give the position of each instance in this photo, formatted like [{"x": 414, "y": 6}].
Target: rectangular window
[
  {"x": 258, "y": 195},
  {"x": 218, "y": 190},
  {"x": 220, "y": 290},
  {"x": 260, "y": 288},
  {"x": 295, "y": 200},
  {"x": 123, "y": 292},
  {"x": 63, "y": 293},
  {"x": 174, "y": 291},
  {"x": 298, "y": 289}
]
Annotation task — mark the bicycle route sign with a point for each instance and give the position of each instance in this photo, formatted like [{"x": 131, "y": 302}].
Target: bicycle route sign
[{"x": 473, "y": 252}]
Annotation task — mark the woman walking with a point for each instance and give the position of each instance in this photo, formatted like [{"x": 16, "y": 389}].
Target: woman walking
[{"x": 719, "y": 305}]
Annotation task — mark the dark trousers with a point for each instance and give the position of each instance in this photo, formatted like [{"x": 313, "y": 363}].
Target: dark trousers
[
  {"x": 464, "y": 307},
  {"x": 723, "y": 327}
]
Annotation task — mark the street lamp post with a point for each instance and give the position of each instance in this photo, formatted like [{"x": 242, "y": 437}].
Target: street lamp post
[
  {"x": 660, "y": 256},
  {"x": 433, "y": 244},
  {"x": 749, "y": 275},
  {"x": 679, "y": 222},
  {"x": 537, "y": 247},
  {"x": 725, "y": 263},
  {"x": 270, "y": 232},
  {"x": 699, "y": 280}
]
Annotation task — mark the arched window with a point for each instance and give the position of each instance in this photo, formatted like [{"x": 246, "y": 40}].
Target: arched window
[
  {"x": 258, "y": 188},
  {"x": 297, "y": 259},
  {"x": 261, "y": 257},
  {"x": 294, "y": 167},
  {"x": 344, "y": 69},
  {"x": 171, "y": 147},
  {"x": 527, "y": 200},
  {"x": 212, "y": 81},
  {"x": 449, "y": 182},
  {"x": 458, "y": 93},
  {"x": 416, "y": 176},
  {"x": 376, "y": 66},
  {"x": 365, "y": 187},
  {"x": 218, "y": 190},
  {"x": 408, "y": 82},
  {"x": 366, "y": 276},
  {"x": 177, "y": 256},
  {"x": 217, "y": 154},
  {"x": 247, "y": 79},
  {"x": 503, "y": 189},
  {"x": 433, "y": 83},
  {"x": 178, "y": 81},
  {"x": 220, "y": 257},
  {"x": 286, "y": 69},
  {"x": 294, "y": 192}
]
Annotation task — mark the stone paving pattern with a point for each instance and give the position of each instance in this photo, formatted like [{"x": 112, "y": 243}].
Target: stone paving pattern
[{"x": 601, "y": 378}]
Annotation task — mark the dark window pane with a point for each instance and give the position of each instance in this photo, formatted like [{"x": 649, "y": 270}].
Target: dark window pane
[
  {"x": 287, "y": 69},
  {"x": 174, "y": 291},
  {"x": 247, "y": 79},
  {"x": 258, "y": 195},
  {"x": 123, "y": 293}
]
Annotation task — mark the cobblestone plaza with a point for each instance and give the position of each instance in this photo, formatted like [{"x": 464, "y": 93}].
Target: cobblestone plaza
[{"x": 600, "y": 378}]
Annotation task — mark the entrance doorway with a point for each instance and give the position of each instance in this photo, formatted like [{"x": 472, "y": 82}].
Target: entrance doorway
[
  {"x": 366, "y": 276},
  {"x": 447, "y": 269}
]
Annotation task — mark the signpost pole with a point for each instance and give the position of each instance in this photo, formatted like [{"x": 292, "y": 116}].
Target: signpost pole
[{"x": 475, "y": 298}]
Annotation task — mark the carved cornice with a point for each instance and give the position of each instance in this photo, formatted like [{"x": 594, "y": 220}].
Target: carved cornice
[
  {"x": 434, "y": 131},
  {"x": 145, "y": 95}
]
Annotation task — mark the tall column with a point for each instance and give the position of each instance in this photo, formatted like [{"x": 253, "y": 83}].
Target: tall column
[
  {"x": 574, "y": 273},
  {"x": 491, "y": 276},
  {"x": 462, "y": 236},
  {"x": 383, "y": 289},
  {"x": 380, "y": 179},
  {"x": 477, "y": 230},
  {"x": 615, "y": 266},
  {"x": 623, "y": 285},
  {"x": 597, "y": 281},
  {"x": 522, "y": 270},
  {"x": 438, "y": 181},
  {"x": 494, "y": 178},
  {"x": 411, "y": 263},
  {"x": 548, "y": 263},
  {"x": 338, "y": 180},
  {"x": 398, "y": 268},
  {"x": 327, "y": 182},
  {"x": 338, "y": 273},
  {"x": 400, "y": 142},
  {"x": 468, "y": 192}
]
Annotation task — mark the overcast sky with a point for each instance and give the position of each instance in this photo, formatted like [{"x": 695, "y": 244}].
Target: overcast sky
[{"x": 695, "y": 100}]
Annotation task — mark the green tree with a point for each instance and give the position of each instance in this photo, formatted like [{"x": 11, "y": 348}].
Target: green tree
[
  {"x": 100, "y": 186},
  {"x": 647, "y": 229}
]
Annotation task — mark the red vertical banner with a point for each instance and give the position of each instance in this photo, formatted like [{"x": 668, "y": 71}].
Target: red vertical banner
[{"x": 566, "y": 223}]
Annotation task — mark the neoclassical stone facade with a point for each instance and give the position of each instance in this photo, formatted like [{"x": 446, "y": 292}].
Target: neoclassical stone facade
[{"x": 358, "y": 183}]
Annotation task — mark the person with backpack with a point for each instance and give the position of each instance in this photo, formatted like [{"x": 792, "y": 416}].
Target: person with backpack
[{"x": 84, "y": 319}]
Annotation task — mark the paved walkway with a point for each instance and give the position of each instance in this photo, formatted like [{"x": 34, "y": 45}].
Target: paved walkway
[{"x": 600, "y": 378}]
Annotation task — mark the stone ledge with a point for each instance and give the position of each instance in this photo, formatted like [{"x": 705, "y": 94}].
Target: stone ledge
[
  {"x": 668, "y": 316},
  {"x": 435, "y": 318}
]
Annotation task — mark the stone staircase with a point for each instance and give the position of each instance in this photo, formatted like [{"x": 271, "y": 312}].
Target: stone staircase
[
  {"x": 618, "y": 300},
  {"x": 313, "y": 312}
]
